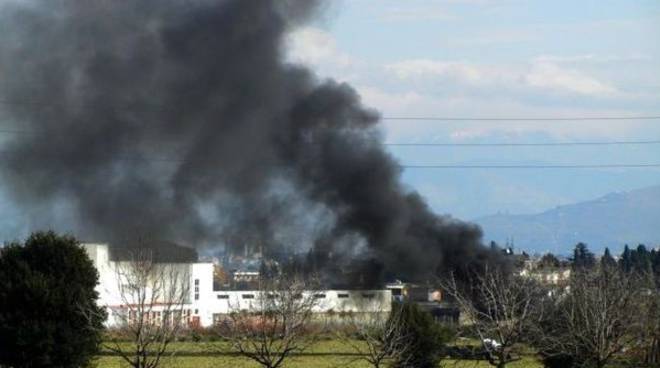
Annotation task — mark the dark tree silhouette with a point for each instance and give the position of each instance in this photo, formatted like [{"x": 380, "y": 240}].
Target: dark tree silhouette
[
  {"x": 48, "y": 311},
  {"x": 427, "y": 338},
  {"x": 549, "y": 261},
  {"x": 626, "y": 262},
  {"x": 583, "y": 258},
  {"x": 607, "y": 260},
  {"x": 641, "y": 259}
]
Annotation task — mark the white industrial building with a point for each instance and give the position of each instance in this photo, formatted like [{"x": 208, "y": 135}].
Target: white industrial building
[{"x": 203, "y": 305}]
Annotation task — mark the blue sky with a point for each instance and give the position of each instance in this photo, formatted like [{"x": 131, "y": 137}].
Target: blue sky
[
  {"x": 481, "y": 58},
  {"x": 505, "y": 58}
]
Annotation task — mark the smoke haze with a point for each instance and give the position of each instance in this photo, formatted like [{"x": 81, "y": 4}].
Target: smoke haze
[{"x": 182, "y": 119}]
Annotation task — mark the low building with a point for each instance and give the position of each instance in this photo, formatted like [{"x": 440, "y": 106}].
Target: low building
[
  {"x": 203, "y": 305},
  {"x": 429, "y": 299},
  {"x": 551, "y": 277},
  {"x": 403, "y": 291}
]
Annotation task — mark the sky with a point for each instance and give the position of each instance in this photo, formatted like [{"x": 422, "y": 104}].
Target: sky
[
  {"x": 501, "y": 59},
  {"x": 495, "y": 59}
]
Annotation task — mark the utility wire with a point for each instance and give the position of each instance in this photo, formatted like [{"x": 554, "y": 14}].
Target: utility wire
[
  {"x": 586, "y": 166},
  {"x": 438, "y": 144},
  {"x": 523, "y": 144},
  {"x": 409, "y": 118},
  {"x": 575, "y": 118},
  {"x": 138, "y": 158}
]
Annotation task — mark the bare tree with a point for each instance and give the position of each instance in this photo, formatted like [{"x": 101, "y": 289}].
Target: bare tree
[
  {"x": 379, "y": 338},
  {"x": 276, "y": 321},
  {"x": 500, "y": 309},
  {"x": 152, "y": 311},
  {"x": 648, "y": 327},
  {"x": 595, "y": 318}
]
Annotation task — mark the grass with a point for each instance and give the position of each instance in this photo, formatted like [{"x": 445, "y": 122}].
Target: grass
[
  {"x": 324, "y": 346},
  {"x": 331, "y": 353},
  {"x": 296, "y": 362},
  {"x": 236, "y": 362},
  {"x": 527, "y": 362}
]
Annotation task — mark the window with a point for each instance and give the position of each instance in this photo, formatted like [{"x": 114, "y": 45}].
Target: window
[
  {"x": 223, "y": 296},
  {"x": 368, "y": 296},
  {"x": 247, "y": 296},
  {"x": 342, "y": 295},
  {"x": 319, "y": 296},
  {"x": 196, "y": 281},
  {"x": 196, "y": 296},
  {"x": 196, "y": 311}
]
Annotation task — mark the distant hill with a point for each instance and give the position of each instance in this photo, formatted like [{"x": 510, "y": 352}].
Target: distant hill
[{"x": 610, "y": 221}]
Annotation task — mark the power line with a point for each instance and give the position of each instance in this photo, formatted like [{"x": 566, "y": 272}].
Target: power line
[
  {"x": 406, "y": 166},
  {"x": 437, "y": 144},
  {"x": 574, "y": 118},
  {"x": 586, "y": 166},
  {"x": 409, "y": 118},
  {"x": 523, "y": 144}
]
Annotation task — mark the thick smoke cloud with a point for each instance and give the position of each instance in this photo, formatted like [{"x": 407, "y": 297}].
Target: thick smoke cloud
[{"x": 180, "y": 119}]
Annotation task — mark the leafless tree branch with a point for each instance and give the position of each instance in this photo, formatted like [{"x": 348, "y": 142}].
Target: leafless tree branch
[
  {"x": 152, "y": 313},
  {"x": 379, "y": 338},
  {"x": 595, "y": 318},
  {"x": 276, "y": 323},
  {"x": 500, "y": 308}
]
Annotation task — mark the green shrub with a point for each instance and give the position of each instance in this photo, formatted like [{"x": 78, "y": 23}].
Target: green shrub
[
  {"x": 48, "y": 311},
  {"x": 558, "y": 361},
  {"x": 428, "y": 337}
]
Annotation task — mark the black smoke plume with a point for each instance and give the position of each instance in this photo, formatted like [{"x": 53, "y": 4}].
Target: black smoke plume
[{"x": 181, "y": 119}]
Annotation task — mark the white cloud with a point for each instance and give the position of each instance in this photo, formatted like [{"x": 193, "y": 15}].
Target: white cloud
[
  {"x": 492, "y": 38},
  {"x": 420, "y": 13},
  {"x": 549, "y": 75},
  {"x": 592, "y": 58},
  {"x": 316, "y": 48},
  {"x": 546, "y": 74},
  {"x": 547, "y": 85},
  {"x": 422, "y": 68},
  {"x": 424, "y": 10},
  {"x": 412, "y": 103},
  {"x": 540, "y": 74}
]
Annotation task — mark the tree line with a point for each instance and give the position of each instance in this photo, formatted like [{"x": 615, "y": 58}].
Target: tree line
[
  {"x": 50, "y": 317},
  {"x": 607, "y": 311}
]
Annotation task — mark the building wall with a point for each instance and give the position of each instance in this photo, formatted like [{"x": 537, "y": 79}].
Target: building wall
[
  {"x": 202, "y": 292},
  {"x": 204, "y": 303},
  {"x": 333, "y": 301}
]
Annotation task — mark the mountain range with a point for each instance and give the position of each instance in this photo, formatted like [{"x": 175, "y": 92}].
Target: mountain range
[{"x": 610, "y": 221}]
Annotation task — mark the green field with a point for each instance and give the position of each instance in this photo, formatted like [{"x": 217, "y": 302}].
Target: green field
[
  {"x": 325, "y": 354},
  {"x": 298, "y": 362}
]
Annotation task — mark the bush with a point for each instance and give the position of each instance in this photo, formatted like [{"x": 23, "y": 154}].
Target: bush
[
  {"x": 195, "y": 336},
  {"x": 48, "y": 311},
  {"x": 558, "y": 361},
  {"x": 428, "y": 338}
]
